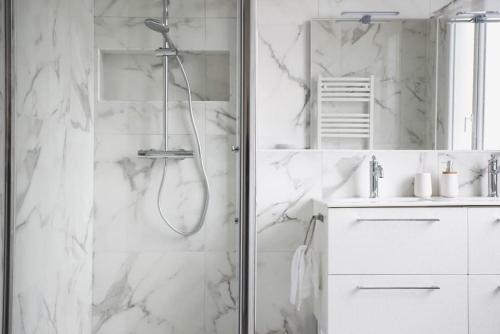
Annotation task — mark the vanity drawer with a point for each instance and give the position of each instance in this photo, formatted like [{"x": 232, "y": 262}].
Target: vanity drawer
[
  {"x": 484, "y": 304},
  {"x": 398, "y": 241},
  {"x": 397, "y": 304},
  {"x": 484, "y": 240}
]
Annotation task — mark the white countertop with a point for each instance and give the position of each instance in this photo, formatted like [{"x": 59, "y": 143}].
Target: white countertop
[{"x": 412, "y": 202}]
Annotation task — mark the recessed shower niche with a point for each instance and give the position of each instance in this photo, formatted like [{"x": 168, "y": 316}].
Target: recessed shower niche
[{"x": 128, "y": 75}]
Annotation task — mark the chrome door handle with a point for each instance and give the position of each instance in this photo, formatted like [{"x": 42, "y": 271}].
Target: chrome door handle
[
  {"x": 398, "y": 287},
  {"x": 398, "y": 220}
]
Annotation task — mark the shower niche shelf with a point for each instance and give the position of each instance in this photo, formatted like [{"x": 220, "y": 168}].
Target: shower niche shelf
[{"x": 136, "y": 75}]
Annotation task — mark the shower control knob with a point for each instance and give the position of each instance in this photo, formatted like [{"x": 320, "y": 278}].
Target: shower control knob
[{"x": 235, "y": 148}]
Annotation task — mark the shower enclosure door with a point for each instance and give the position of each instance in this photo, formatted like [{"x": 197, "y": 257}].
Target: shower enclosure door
[{"x": 91, "y": 252}]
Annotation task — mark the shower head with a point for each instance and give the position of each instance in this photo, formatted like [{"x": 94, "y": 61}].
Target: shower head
[
  {"x": 163, "y": 28},
  {"x": 157, "y": 25}
]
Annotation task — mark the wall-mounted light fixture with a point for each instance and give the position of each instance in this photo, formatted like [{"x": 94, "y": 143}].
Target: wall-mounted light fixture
[{"x": 368, "y": 16}]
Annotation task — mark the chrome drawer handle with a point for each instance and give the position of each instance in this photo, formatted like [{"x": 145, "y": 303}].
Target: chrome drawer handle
[
  {"x": 398, "y": 220},
  {"x": 398, "y": 288}
]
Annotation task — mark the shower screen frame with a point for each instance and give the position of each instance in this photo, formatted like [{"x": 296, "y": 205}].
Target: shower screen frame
[{"x": 244, "y": 148}]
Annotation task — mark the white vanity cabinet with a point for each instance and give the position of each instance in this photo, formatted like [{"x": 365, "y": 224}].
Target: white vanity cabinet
[
  {"x": 428, "y": 267},
  {"x": 398, "y": 241},
  {"x": 484, "y": 240}
]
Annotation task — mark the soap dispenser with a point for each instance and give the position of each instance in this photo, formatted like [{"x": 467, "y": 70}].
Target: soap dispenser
[{"x": 448, "y": 182}]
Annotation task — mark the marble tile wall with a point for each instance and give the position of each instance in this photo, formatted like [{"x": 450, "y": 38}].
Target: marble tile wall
[
  {"x": 53, "y": 94},
  {"x": 289, "y": 175},
  {"x": 288, "y": 179},
  {"x": 146, "y": 278}
]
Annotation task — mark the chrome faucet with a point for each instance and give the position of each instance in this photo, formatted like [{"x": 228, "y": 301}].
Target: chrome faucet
[
  {"x": 493, "y": 176},
  {"x": 376, "y": 173}
]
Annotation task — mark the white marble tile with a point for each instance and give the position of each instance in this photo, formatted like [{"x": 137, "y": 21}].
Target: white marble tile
[
  {"x": 221, "y": 8},
  {"x": 127, "y": 8},
  {"x": 221, "y": 118},
  {"x": 54, "y": 169},
  {"x": 283, "y": 91},
  {"x": 275, "y": 314},
  {"x": 129, "y": 117},
  {"x": 131, "y": 33},
  {"x": 217, "y": 77},
  {"x": 149, "y": 8},
  {"x": 124, "y": 33},
  {"x": 398, "y": 179},
  {"x": 53, "y": 227},
  {"x": 221, "y": 230},
  {"x": 147, "y": 118},
  {"x": 221, "y": 303},
  {"x": 346, "y": 174},
  {"x": 407, "y": 8},
  {"x": 138, "y": 76},
  {"x": 126, "y": 188},
  {"x": 286, "y": 11},
  {"x": 149, "y": 293},
  {"x": 221, "y": 34},
  {"x": 286, "y": 182},
  {"x": 439, "y": 7}
]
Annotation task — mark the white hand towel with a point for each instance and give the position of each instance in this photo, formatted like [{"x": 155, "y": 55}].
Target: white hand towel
[{"x": 305, "y": 278}]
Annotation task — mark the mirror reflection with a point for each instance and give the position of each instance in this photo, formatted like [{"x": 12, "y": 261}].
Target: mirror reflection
[{"x": 413, "y": 84}]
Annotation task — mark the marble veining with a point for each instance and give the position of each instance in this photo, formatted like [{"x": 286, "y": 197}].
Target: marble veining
[
  {"x": 396, "y": 54},
  {"x": 146, "y": 278},
  {"x": 283, "y": 98},
  {"x": 53, "y": 94},
  {"x": 287, "y": 180},
  {"x": 283, "y": 33}
]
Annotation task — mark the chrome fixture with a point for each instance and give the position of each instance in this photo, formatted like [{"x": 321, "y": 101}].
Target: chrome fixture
[
  {"x": 493, "y": 176},
  {"x": 376, "y": 173},
  {"x": 159, "y": 154},
  {"x": 165, "y": 52},
  {"x": 367, "y": 17},
  {"x": 476, "y": 16}
]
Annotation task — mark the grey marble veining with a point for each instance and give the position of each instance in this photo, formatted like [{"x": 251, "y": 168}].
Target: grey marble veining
[
  {"x": 221, "y": 292},
  {"x": 275, "y": 314},
  {"x": 396, "y": 54},
  {"x": 283, "y": 97},
  {"x": 149, "y": 293},
  {"x": 54, "y": 175},
  {"x": 147, "y": 278},
  {"x": 287, "y": 180},
  {"x": 440, "y": 7},
  {"x": 134, "y": 76},
  {"x": 285, "y": 183}
]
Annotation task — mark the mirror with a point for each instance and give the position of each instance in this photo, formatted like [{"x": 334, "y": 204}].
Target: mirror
[{"x": 405, "y": 84}]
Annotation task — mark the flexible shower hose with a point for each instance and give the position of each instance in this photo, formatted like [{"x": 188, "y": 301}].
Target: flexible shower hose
[{"x": 206, "y": 186}]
